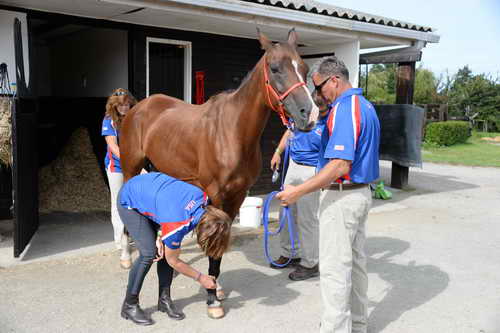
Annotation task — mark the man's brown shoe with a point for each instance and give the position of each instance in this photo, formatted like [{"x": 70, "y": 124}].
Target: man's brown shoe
[
  {"x": 304, "y": 273},
  {"x": 283, "y": 260}
]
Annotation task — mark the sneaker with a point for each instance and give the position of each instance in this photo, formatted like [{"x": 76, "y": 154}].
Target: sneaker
[
  {"x": 304, "y": 273},
  {"x": 282, "y": 260}
]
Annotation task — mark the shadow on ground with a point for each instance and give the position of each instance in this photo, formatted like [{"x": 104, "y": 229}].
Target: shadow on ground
[
  {"x": 243, "y": 284},
  {"x": 409, "y": 285},
  {"x": 421, "y": 183}
]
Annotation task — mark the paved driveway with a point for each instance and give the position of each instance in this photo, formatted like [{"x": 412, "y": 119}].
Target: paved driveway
[{"x": 434, "y": 266}]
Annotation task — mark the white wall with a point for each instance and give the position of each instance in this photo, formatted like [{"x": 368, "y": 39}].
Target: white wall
[
  {"x": 89, "y": 63},
  {"x": 347, "y": 52},
  {"x": 7, "y": 42}
]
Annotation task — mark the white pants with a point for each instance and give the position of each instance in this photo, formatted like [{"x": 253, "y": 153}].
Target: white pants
[
  {"x": 115, "y": 180},
  {"x": 305, "y": 218},
  {"x": 342, "y": 260}
]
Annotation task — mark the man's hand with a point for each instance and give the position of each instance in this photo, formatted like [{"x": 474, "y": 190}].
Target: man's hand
[
  {"x": 275, "y": 161},
  {"x": 160, "y": 248},
  {"x": 289, "y": 195}
]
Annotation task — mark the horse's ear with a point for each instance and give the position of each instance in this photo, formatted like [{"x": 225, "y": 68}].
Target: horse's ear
[
  {"x": 292, "y": 38},
  {"x": 265, "y": 43}
]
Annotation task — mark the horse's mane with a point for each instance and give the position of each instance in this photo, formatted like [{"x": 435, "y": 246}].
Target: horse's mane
[
  {"x": 221, "y": 94},
  {"x": 216, "y": 97}
]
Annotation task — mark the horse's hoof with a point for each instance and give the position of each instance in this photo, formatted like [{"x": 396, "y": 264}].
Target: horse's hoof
[
  {"x": 125, "y": 263},
  {"x": 220, "y": 294},
  {"x": 215, "y": 311}
]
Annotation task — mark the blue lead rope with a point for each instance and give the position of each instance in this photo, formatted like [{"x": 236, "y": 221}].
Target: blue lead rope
[{"x": 286, "y": 216}]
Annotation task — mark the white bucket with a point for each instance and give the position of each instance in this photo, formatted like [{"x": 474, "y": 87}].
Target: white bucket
[{"x": 251, "y": 212}]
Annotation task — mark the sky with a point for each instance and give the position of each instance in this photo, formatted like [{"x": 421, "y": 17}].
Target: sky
[{"x": 469, "y": 30}]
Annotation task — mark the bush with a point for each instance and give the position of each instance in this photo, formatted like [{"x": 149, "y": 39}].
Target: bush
[{"x": 447, "y": 133}]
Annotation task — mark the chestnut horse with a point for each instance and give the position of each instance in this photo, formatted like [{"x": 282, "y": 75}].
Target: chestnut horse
[{"x": 216, "y": 146}]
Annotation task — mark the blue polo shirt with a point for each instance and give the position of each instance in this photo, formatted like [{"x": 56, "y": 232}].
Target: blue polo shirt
[
  {"x": 111, "y": 162},
  {"x": 175, "y": 205},
  {"x": 305, "y": 146},
  {"x": 352, "y": 133}
]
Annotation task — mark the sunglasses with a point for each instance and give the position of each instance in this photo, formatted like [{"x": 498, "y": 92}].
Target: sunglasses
[
  {"x": 318, "y": 88},
  {"x": 119, "y": 93}
]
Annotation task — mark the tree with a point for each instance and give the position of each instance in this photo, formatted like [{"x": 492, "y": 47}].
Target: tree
[
  {"x": 426, "y": 87},
  {"x": 480, "y": 93},
  {"x": 381, "y": 84}
]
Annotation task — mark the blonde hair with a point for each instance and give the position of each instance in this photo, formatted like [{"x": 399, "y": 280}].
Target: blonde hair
[
  {"x": 118, "y": 97},
  {"x": 213, "y": 232}
]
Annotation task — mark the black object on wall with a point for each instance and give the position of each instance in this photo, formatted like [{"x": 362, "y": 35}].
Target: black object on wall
[{"x": 401, "y": 133}]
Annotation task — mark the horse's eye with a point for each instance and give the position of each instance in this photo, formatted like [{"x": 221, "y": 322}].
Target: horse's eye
[{"x": 274, "y": 69}]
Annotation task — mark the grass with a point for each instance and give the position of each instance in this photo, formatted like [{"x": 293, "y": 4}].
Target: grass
[{"x": 475, "y": 152}]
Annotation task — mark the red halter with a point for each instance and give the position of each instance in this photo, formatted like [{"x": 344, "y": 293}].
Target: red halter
[{"x": 269, "y": 88}]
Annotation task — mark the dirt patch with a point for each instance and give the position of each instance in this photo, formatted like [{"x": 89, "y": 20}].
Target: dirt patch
[{"x": 495, "y": 139}]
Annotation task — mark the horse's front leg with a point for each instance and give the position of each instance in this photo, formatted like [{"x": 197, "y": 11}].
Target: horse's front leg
[{"x": 231, "y": 207}]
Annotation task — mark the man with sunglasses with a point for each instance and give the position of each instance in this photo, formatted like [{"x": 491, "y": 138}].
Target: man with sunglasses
[{"x": 348, "y": 162}]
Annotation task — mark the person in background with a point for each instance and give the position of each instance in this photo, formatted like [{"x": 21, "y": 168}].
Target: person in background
[
  {"x": 117, "y": 107},
  {"x": 158, "y": 211},
  {"x": 304, "y": 150}
]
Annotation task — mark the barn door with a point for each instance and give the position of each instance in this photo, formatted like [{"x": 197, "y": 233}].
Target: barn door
[
  {"x": 24, "y": 155},
  {"x": 25, "y": 173},
  {"x": 169, "y": 68}
]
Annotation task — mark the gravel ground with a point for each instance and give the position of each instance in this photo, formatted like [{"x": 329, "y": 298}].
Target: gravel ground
[{"x": 433, "y": 266}]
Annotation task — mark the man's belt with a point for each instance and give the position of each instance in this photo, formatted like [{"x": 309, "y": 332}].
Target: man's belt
[
  {"x": 345, "y": 187},
  {"x": 307, "y": 165}
]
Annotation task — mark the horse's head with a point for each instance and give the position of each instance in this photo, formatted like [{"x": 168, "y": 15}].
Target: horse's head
[{"x": 285, "y": 73}]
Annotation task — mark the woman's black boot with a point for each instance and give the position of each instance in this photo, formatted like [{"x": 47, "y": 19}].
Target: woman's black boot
[
  {"x": 165, "y": 304},
  {"x": 136, "y": 314}
]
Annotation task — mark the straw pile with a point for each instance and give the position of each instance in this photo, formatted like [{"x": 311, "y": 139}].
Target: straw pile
[
  {"x": 73, "y": 182},
  {"x": 5, "y": 131}
]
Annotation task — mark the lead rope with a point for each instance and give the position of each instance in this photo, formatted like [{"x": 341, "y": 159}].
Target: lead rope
[{"x": 285, "y": 216}]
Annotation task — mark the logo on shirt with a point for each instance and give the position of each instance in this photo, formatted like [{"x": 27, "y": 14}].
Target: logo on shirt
[
  {"x": 104, "y": 128},
  {"x": 190, "y": 205},
  {"x": 318, "y": 131},
  {"x": 338, "y": 147}
]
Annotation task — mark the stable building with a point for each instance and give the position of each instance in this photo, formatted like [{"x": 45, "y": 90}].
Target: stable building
[{"x": 66, "y": 57}]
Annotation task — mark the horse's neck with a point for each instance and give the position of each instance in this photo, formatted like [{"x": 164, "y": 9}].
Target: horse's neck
[{"x": 250, "y": 112}]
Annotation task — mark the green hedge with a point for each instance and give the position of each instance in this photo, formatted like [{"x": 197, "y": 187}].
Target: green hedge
[{"x": 447, "y": 133}]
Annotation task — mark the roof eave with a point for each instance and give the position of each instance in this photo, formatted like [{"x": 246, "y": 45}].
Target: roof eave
[{"x": 322, "y": 21}]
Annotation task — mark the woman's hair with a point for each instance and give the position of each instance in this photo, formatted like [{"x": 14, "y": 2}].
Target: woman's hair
[
  {"x": 118, "y": 97},
  {"x": 214, "y": 232}
]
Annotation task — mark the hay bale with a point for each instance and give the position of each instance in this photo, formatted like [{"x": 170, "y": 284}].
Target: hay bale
[
  {"x": 73, "y": 182},
  {"x": 5, "y": 131}
]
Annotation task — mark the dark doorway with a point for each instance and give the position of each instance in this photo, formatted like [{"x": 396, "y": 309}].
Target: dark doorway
[{"x": 166, "y": 69}]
